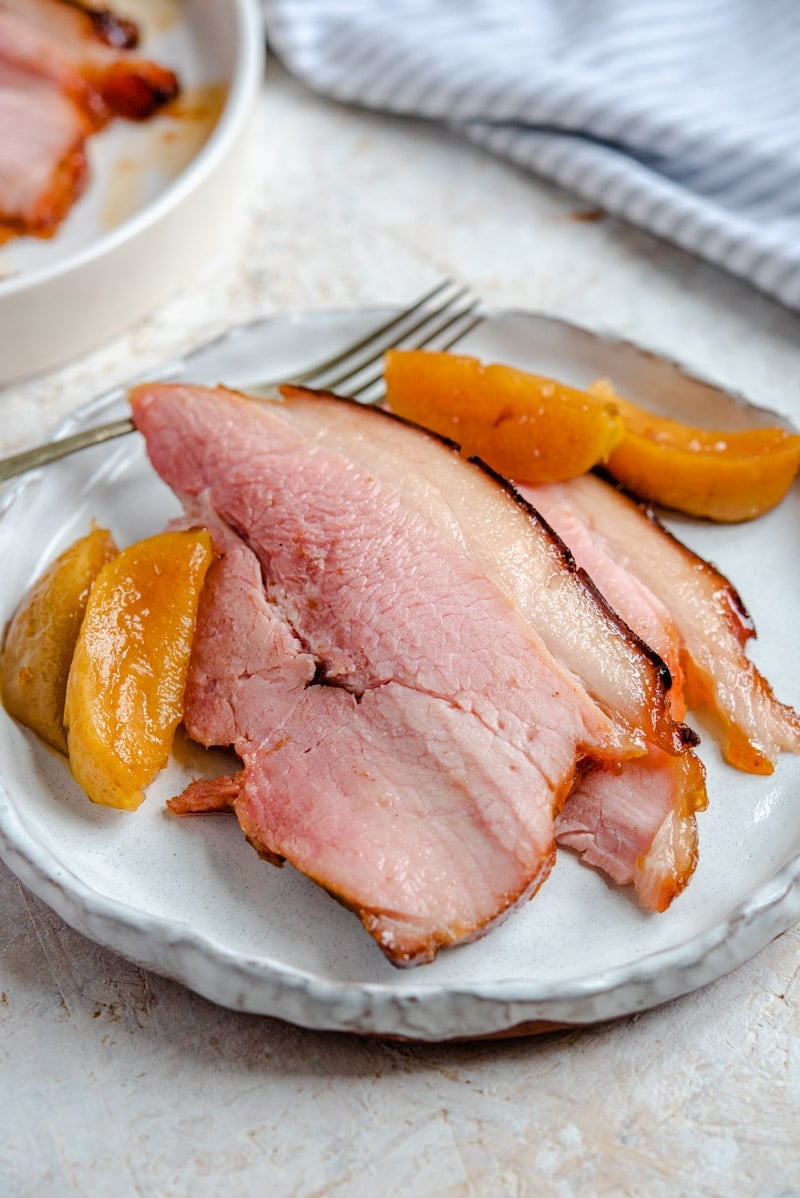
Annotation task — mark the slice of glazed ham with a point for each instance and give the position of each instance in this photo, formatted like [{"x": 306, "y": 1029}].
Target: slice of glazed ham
[
  {"x": 431, "y": 629},
  {"x": 637, "y": 824},
  {"x": 28, "y": 51},
  {"x": 711, "y": 620},
  {"x": 108, "y": 26},
  {"x": 59, "y": 42},
  {"x": 75, "y": 22},
  {"x": 388, "y": 825},
  {"x": 64, "y": 72},
  {"x": 249, "y": 673},
  {"x": 630, "y": 598},
  {"x": 43, "y": 167}
]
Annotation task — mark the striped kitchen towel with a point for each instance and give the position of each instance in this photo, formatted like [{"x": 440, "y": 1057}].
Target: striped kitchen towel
[{"x": 681, "y": 115}]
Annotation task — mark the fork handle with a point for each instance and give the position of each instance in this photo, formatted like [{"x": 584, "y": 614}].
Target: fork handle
[{"x": 29, "y": 459}]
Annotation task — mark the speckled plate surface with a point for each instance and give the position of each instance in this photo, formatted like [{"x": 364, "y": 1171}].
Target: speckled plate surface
[{"x": 191, "y": 900}]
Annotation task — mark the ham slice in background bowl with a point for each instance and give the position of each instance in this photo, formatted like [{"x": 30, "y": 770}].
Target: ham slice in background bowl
[{"x": 65, "y": 296}]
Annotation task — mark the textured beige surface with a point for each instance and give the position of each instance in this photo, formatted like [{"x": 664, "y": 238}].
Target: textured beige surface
[{"x": 115, "y": 1082}]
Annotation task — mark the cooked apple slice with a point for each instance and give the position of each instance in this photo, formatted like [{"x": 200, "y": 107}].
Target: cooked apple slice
[
  {"x": 534, "y": 430},
  {"x": 717, "y": 474},
  {"x": 529, "y": 428},
  {"x": 40, "y": 638},
  {"x": 125, "y": 688}
]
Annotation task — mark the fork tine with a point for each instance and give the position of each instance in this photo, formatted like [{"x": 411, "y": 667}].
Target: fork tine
[
  {"x": 378, "y": 346},
  {"x": 468, "y": 314},
  {"x": 369, "y": 350},
  {"x": 432, "y": 321},
  {"x": 316, "y": 374}
]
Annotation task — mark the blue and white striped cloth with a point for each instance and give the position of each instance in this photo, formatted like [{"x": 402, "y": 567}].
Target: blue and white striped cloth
[{"x": 682, "y": 116}]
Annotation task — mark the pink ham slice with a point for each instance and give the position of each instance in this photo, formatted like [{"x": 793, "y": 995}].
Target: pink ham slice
[
  {"x": 638, "y": 824},
  {"x": 427, "y": 715},
  {"x": 711, "y": 621},
  {"x": 389, "y": 822},
  {"x": 43, "y": 165},
  {"x": 59, "y": 43}
]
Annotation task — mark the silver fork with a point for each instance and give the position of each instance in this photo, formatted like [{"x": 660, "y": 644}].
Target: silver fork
[{"x": 440, "y": 318}]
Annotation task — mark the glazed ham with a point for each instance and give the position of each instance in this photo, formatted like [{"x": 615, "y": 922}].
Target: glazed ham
[
  {"x": 61, "y": 42},
  {"x": 402, "y": 653},
  {"x": 709, "y": 617},
  {"x": 63, "y": 73},
  {"x": 43, "y": 166},
  {"x": 639, "y": 826},
  {"x": 28, "y": 51}
]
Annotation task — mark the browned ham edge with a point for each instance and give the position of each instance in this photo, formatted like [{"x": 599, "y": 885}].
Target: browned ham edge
[
  {"x": 43, "y": 166},
  {"x": 59, "y": 41},
  {"x": 403, "y": 655},
  {"x": 114, "y": 30},
  {"x": 711, "y": 621},
  {"x": 639, "y": 826},
  {"x": 65, "y": 70},
  {"x": 206, "y": 795}
]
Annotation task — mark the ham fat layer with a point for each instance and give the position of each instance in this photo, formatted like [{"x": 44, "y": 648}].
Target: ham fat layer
[
  {"x": 637, "y": 825},
  {"x": 712, "y": 623},
  {"x": 404, "y": 656}
]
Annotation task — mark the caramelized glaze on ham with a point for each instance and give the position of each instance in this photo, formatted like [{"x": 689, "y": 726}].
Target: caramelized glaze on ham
[
  {"x": 447, "y": 665},
  {"x": 107, "y": 25},
  {"x": 30, "y": 51},
  {"x": 63, "y": 72},
  {"x": 60, "y": 42},
  {"x": 638, "y": 825},
  {"x": 710, "y": 618},
  {"x": 43, "y": 166}
]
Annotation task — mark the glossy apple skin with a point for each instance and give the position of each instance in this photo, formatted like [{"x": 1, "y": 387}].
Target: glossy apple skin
[
  {"x": 41, "y": 636},
  {"x": 128, "y": 674}
]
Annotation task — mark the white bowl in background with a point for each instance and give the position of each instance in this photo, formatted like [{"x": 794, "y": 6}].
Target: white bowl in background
[{"x": 156, "y": 204}]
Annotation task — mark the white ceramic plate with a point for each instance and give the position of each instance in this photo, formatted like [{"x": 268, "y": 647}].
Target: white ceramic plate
[
  {"x": 160, "y": 195},
  {"x": 190, "y": 899}
]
